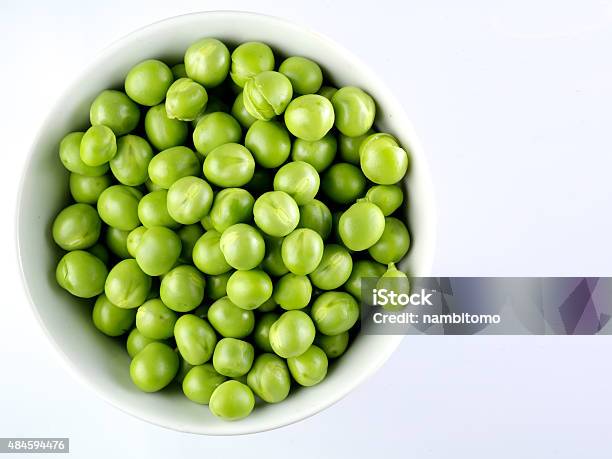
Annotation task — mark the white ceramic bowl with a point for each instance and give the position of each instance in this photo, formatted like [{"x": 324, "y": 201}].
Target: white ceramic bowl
[{"x": 101, "y": 362}]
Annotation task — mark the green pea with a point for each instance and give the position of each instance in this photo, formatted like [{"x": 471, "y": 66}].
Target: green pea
[
  {"x": 133, "y": 240},
  {"x": 154, "y": 367},
  {"x": 273, "y": 261},
  {"x": 178, "y": 71},
  {"x": 393, "y": 244},
  {"x": 269, "y": 143},
  {"x": 184, "y": 368},
  {"x": 195, "y": 339},
  {"x": 393, "y": 272},
  {"x": 189, "y": 200},
  {"x": 118, "y": 207},
  {"x": 302, "y": 251},
  {"x": 381, "y": 161},
  {"x": 206, "y": 223},
  {"x": 292, "y": 334},
  {"x": 276, "y": 213},
  {"x": 81, "y": 273},
  {"x": 292, "y": 291},
  {"x": 267, "y": 94},
  {"x": 349, "y": 147},
  {"x": 261, "y": 333},
  {"x": 216, "y": 286},
  {"x": 98, "y": 146},
  {"x": 70, "y": 155},
  {"x": 148, "y": 81},
  {"x": 377, "y": 140},
  {"x": 249, "y": 59},
  {"x": 327, "y": 91},
  {"x": 182, "y": 288},
  {"x": 150, "y": 186},
  {"x": 115, "y": 110},
  {"x": 207, "y": 61},
  {"x": 76, "y": 227},
  {"x": 395, "y": 280},
  {"x": 305, "y": 75},
  {"x": 155, "y": 320},
  {"x": 169, "y": 165},
  {"x": 240, "y": 112},
  {"x": 242, "y": 246},
  {"x": 100, "y": 251},
  {"x": 229, "y": 165},
  {"x": 319, "y": 154},
  {"x": 334, "y": 312},
  {"x": 185, "y": 100},
  {"x": 127, "y": 286},
  {"x": 299, "y": 180},
  {"x": 189, "y": 235},
  {"x": 269, "y": 378},
  {"x": 333, "y": 346},
  {"x": 229, "y": 320},
  {"x": 233, "y": 357},
  {"x": 164, "y": 132},
  {"x": 249, "y": 289},
  {"x": 116, "y": 241},
  {"x": 86, "y": 189},
  {"x": 131, "y": 163},
  {"x": 310, "y": 367},
  {"x": 361, "y": 225},
  {"x": 136, "y": 341},
  {"x": 387, "y": 197},
  {"x": 267, "y": 306},
  {"x": 355, "y": 111},
  {"x": 200, "y": 383},
  {"x": 334, "y": 270},
  {"x": 153, "y": 210},
  {"x": 207, "y": 254},
  {"x": 204, "y": 113},
  {"x": 231, "y": 206},
  {"x": 361, "y": 269},
  {"x": 110, "y": 319},
  {"x": 309, "y": 117},
  {"x": 343, "y": 183},
  {"x": 214, "y": 130},
  {"x": 316, "y": 216},
  {"x": 232, "y": 401}
]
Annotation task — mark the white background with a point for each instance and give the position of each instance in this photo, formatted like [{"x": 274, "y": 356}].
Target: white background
[{"x": 512, "y": 101}]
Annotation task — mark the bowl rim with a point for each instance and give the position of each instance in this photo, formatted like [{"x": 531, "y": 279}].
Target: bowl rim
[{"x": 393, "y": 340}]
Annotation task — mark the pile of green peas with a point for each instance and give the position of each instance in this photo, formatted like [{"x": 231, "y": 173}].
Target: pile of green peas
[{"x": 224, "y": 212}]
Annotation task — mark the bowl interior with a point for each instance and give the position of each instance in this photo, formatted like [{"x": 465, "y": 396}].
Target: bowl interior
[{"x": 101, "y": 361}]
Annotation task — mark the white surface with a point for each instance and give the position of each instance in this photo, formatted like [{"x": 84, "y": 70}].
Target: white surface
[
  {"x": 512, "y": 103},
  {"x": 102, "y": 363}
]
